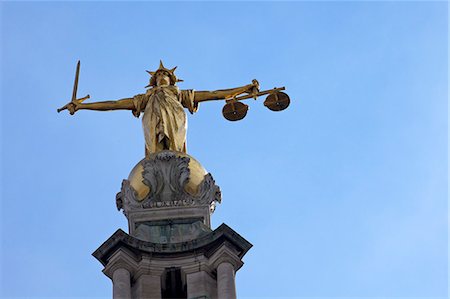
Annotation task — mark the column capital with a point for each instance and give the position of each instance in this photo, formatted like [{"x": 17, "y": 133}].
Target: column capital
[
  {"x": 226, "y": 254},
  {"x": 121, "y": 259}
]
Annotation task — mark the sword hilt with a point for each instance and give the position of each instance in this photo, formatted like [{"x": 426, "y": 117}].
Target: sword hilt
[{"x": 73, "y": 102}]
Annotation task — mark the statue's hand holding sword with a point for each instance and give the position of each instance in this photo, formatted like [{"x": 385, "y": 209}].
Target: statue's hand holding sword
[{"x": 72, "y": 105}]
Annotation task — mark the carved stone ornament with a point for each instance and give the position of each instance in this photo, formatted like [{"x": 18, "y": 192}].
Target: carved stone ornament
[{"x": 166, "y": 174}]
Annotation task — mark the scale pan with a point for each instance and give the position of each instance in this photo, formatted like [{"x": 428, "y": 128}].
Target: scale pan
[
  {"x": 277, "y": 101},
  {"x": 234, "y": 111}
]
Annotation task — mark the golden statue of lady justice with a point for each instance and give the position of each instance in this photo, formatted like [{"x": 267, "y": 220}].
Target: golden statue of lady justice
[{"x": 164, "y": 120}]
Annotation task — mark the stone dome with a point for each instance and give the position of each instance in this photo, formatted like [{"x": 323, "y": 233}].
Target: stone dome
[{"x": 196, "y": 176}]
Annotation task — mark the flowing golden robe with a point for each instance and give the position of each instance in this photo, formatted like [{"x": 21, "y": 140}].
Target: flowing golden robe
[{"x": 164, "y": 119}]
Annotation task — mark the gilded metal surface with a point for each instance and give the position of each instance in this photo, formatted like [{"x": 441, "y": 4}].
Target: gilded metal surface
[
  {"x": 197, "y": 174},
  {"x": 164, "y": 120},
  {"x": 277, "y": 101},
  {"x": 233, "y": 111},
  {"x": 71, "y": 105}
]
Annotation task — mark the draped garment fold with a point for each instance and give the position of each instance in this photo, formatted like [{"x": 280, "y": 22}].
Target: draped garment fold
[{"x": 164, "y": 121}]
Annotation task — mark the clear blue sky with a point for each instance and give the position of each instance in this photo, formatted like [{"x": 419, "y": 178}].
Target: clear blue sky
[{"x": 342, "y": 195}]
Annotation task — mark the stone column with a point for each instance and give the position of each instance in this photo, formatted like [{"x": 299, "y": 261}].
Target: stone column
[
  {"x": 226, "y": 288},
  {"x": 121, "y": 284}
]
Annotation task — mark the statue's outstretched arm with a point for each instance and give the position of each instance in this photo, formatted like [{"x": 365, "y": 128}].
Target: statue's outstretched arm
[
  {"x": 122, "y": 104},
  {"x": 202, "y": 96}
]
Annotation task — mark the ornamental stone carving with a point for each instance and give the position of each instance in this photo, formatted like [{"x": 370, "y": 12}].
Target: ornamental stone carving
[{"x": 166, "y": 175}]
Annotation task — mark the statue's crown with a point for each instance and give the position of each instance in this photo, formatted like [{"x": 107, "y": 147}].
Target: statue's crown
[{"x": 170, "y": 73}]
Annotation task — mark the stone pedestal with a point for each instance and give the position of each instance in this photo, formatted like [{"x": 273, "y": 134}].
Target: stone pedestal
[{"x": 171, "y": 250}]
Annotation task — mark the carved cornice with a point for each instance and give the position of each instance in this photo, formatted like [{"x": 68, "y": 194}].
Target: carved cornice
[{"x": 206, "y": 245}]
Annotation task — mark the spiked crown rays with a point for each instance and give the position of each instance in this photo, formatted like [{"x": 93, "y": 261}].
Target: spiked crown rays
[{"x": 170, "y": 73}]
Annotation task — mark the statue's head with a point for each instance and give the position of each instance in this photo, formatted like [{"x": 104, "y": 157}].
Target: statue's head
[{"x": 163, "y": 76}]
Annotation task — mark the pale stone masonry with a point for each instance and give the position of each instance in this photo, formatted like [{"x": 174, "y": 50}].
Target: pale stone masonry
[{"x": 171, "y": 250}]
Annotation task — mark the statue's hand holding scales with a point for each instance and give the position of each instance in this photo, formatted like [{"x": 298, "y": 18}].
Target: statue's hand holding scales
[{"x": 164, "y": 119}]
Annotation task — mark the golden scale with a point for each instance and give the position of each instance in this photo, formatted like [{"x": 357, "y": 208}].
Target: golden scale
[{"x": 276, "y": 100}]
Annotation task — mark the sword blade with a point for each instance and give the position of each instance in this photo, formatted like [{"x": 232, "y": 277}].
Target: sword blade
[{"x": 75, "y": 84}]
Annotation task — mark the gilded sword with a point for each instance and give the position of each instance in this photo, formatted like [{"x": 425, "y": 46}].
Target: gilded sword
[{"x": 74, "y": 100}]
